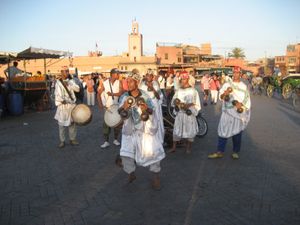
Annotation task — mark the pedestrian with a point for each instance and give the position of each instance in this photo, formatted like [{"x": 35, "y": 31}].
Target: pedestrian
[
  {"x": 205, "y": 87},
  {"x": 192, "y": 80},
  {"x": 124, "y": 82},
  {"x": 235, "y": 115},
  {"x": 169, "y": 87},
  {"x": 187, "y": 105},
  {"x": 79, "y": 95},
  {"x": 162, "y": 82},
  {"x": 176, "y": 80},
  {"x": 108, "y": 94},
  {"x": 90, "y": 91},
  {"x": 140, "y": 144},
  {"x": 214, "y": 86},
  {"x": 65, "y": 101}
]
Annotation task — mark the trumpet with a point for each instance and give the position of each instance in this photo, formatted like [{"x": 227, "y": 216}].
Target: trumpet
[
  {"x": 181, "y": 105},
  {"x": 239, "y": 106}
]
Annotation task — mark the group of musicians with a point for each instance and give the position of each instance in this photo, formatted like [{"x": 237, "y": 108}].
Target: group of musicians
[{"x": 140, "y": 109}]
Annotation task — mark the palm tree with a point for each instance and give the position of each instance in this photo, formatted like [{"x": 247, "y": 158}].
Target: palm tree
[{"x": 237, "y": 53}]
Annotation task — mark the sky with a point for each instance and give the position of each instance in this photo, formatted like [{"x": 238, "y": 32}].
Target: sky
[{"x": 263, "y": 28}]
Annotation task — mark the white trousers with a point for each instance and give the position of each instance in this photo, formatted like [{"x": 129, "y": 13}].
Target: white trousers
[
  {"x": 90, "y": 97},
  {"x": 214, "y": 96},
  {"x": 129, "y": 165},
  {"x": 72, "y": 132}
]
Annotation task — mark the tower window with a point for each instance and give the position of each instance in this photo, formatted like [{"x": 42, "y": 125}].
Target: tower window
[
  {"x": 134, "y": 47},
  {"x": 166, "y": 56}
]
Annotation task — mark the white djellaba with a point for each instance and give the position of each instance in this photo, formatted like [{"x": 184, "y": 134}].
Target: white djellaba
[
  {"x": 186, "y": 126},
  {"x": 139, "y": 139},
  {"x": 63, "y": 112},
  {"x": 232, "y": 122}
]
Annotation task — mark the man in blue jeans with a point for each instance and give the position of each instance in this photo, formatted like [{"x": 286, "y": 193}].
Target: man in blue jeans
[{"x": 235, "y": 115}]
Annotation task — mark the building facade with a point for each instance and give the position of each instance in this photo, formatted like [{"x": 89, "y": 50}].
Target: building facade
[{"x": 293, "y": 58}]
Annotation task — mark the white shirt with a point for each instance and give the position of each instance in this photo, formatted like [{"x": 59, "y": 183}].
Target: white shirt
[
  {"x": 170, "y": 82},
  {"x": 162, "y": 82},
  {"x": 108, "y": 100},
  {"x": 12, "y": 71}
]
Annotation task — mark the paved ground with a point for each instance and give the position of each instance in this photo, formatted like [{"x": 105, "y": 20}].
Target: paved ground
[{"x": 42, "y": 185}]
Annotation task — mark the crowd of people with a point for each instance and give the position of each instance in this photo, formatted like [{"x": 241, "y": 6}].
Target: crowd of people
[{"x": 139, "y": 101}]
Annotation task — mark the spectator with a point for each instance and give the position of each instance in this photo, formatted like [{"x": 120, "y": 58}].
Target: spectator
[
  {"x": 90, "y": 91},
  {"x": 214, "y": 86},
  {"x": 205, "y": 87}
]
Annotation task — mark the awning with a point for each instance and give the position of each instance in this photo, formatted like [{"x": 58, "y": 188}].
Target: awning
[
  {"x": 210, "y": 56},
  {"x": 5, "y": 57},
  {"x": 40, "y": 53},
  {"x": 292, "y": 76}
]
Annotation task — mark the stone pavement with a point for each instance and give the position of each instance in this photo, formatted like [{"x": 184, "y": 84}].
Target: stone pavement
[{"x": 42, "y": 185}]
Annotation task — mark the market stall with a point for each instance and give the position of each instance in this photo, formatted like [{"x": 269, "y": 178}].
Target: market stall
[{"x": 25, "y": 89}]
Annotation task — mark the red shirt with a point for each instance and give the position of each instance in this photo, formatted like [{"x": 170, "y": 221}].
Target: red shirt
[
  {"x": 90, "y": 85},
  {"x": 214, "y": 85},
  {"x": 125, "y": 84}
]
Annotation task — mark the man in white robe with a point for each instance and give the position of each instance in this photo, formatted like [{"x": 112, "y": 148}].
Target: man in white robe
[
  {"x": 65, "y": 103},
  {"x": 140, "y": 145},
  {"x": 185, "y": 126},
  {"x": 151, "y": 87},
  {"x": 232, "y": 122}
]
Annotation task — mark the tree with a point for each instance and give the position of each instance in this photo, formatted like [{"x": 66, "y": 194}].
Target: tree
[{"x": 237, "y": 53}]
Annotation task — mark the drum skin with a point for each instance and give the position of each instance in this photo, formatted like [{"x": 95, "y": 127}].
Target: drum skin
[
  {"x": 112, "y": 117},
  {"x": 81, "y": 114}
]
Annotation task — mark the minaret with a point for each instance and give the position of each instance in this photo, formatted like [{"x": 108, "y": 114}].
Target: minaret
[{"x": 135, "y": 43}]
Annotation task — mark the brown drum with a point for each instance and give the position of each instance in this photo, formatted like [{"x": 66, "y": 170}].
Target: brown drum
[{"x": 81, "y": 114}]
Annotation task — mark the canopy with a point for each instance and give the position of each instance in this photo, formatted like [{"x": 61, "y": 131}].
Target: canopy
[
  {"x": 40, "y": 53},
  {"x": 6, "y": 56},
  {"x": 292, "y": 76}
]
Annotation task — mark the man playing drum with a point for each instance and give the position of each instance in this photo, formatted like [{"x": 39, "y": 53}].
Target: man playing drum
[
  {"x": 235, "y": 115},
  {"x": 140, "y": 142},
  {"x": 65, "y": 101},
  {"x": 108, "y": 95}
]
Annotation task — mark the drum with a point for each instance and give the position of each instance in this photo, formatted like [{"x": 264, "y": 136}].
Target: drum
[
  {"x": 112, "y": 117},
  {"x": 81, "y": 114}
]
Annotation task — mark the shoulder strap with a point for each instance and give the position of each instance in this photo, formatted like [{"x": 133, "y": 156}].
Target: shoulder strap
[
  {"x": 111, "y": 91},
  {"x": 67, "y": 90}
]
